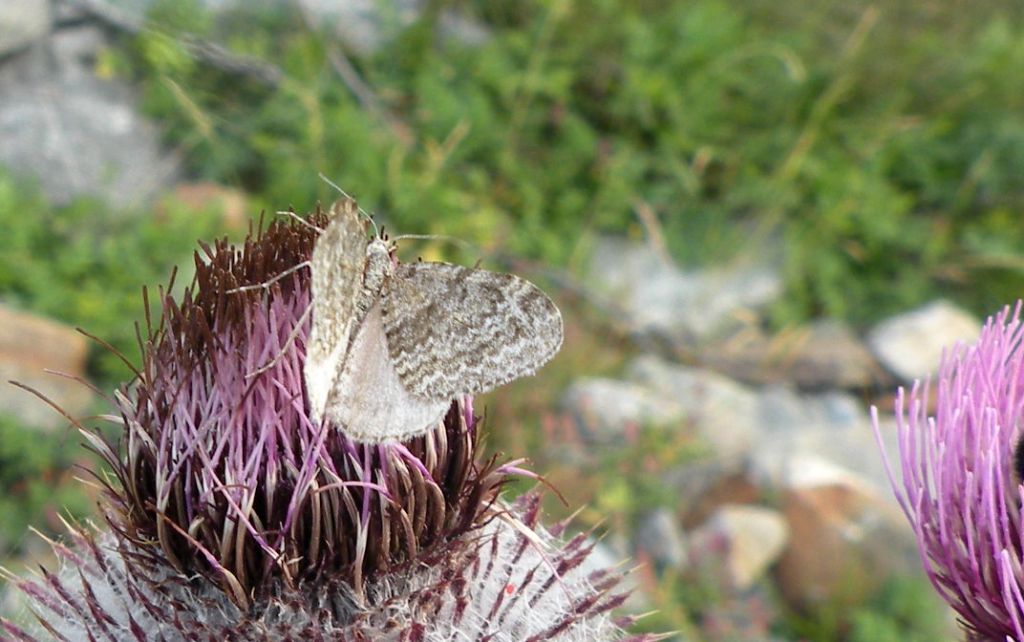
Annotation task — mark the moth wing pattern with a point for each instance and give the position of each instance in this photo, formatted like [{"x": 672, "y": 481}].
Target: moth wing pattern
[
  {"x": 336, "y": 267},
  {"x": 454, "y": 331},
  {"x": 369, "y": 401}
]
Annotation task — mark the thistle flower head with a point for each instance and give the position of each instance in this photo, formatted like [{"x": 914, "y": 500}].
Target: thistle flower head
[
  {"x": 958, "y": 487},
  {"x": 233, "y": 515},
  {"x": 224, "y": 473}
]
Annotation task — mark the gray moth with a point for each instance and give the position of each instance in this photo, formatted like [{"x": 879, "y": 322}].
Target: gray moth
[{"x": 391, "y": 345}]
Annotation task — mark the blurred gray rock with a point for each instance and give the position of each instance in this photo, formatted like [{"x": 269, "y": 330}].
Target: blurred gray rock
[
  {"x": 738, "y": 543},
  {"x": 75, "y": 48},
  {"x": 603, "y": 409},
  {"x": 73, "y": 133},
  {"x": 824, "y": 354},
  {"x": 22, "y": 22},
  {"x": 68, "y": 11},
  {"x": 78, "y": 135},
  {"x": 683, "y": 307},
  {"x": 659, "y": 538},
  {"x": 366, "y": 26},
  {"x": 136, "y": 9},
  {"x": 701, "y": 487},
  {"x": 723, "y": 413},
  {"x": 834, "y": 425},
  {"x": 29, "y": 345},
  {"x": 910, "y": 345},
  {"x": 760, "y": 428},
  {"x": 783, "y": 409}
]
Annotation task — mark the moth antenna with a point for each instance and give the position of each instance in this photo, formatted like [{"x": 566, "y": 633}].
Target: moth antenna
[
  {"x": 333, "y": 184},
  {"x": 287, "y": 344},
  {"x": 266, "y": 284},
  {"x": 298, "y": 218},
  {"x": 347, "y": 195}
]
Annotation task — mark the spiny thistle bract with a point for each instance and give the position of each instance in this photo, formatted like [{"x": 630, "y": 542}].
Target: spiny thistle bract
[
  {"x": 958, "y": 487},
  {"x": 233, "y": 516}
]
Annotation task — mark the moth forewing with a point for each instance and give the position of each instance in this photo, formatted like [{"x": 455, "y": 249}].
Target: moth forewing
[{"x": 337, "y": 292}]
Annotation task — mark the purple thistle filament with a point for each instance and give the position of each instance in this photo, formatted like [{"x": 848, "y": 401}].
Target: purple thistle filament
[{"x": 958, "y": 486}]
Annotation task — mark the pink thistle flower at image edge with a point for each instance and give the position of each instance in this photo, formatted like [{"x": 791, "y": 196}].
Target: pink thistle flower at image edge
[
  {"x": 958, "y": 487},
  {"x": 232, "y": 515}
]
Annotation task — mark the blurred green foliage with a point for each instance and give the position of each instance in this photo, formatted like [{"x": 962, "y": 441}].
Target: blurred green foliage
[
  {"x": 904, "y": 610},
  {"x": 86, "y": 265},
  {"x": 35, "y": 483},
  {"x": 881, "y": 144}
]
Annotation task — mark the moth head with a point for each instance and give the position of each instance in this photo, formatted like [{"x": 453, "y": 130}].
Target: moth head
[{"x": 378, "y": 263}]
